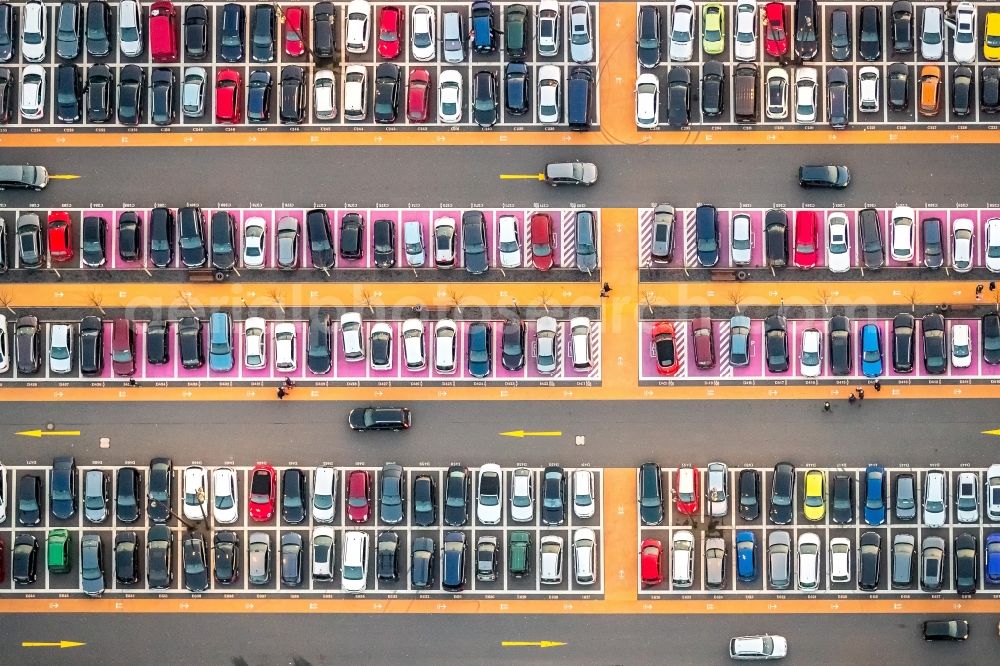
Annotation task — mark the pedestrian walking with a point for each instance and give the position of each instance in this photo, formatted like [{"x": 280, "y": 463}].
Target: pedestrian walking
[
  {"x": 993, "y": 286},
  {"x": 281, "y": 393},
  {"x": 132, "y": 382},
  {"x": 861, "y": 394},
  {"x": 606, "y": 288},
  {"x": 979, "y": 292},
  {"x": 289, "y": 384},
  {"x": 826, "y": 406},
  {"x": 851, "y": 399},
  {"x": 877, "y": 385}
]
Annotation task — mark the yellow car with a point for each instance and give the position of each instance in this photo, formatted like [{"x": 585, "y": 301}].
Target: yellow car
[
  {"x": 814, "y": 505},
  {"x": 991, "y": 36},
  {"x": 713, "y": 28}
]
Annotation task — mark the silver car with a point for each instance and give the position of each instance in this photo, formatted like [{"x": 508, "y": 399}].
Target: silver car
[
  {"x": 967, "y": 498},
  {"x": 545, "y": 341},
  {"x": 581, "y": 41},
  {"x": 259, "y": 558},
  {"x": 932, "y": 563},
  {"x": 663, "y": 234},
  {"x": 193, "y": 92},
  {"x": 130, "y": 28},
  {"x": 901, "y": 559},
  {"x": 932, "y": 34},
  {"x": 717, "y": 492},
  {"x": 741, "y": 240},
  {"x": 779, "y": 559},
  {"x": 61, "y": 348},
  {"x": 715, "y": 563},
  {"x": 935, "y": 498}
]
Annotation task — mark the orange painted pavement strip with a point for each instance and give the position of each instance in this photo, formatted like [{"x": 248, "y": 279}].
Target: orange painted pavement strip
[{"x": 619, "y": 538}]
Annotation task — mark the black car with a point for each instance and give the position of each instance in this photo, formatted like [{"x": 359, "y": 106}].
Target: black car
[
  {"x": 840, "y": 345},
  {"x": 474, "y": 250},
  {"x": 91, "y": 345},
  {"x": 991, "y": 338},
  {"x": 319, "y": 358},
  {"x": 647, "y": 42},
  {"x": 515, "y": 30},
  {"x": 869, "y": 555},
  {"x": 706, "y": 230},
  {"x": 128, "y": 490},
  {"x": 324, "y": 33},
  {"x": 776, "y": 237},
  {"x": 62, "y": 488},
  {"x": 962, "y": 97},
  {"x": 512, "y": 341},
  {"x": 870, "y": 33},
  {"x": 678, "y": 97},
  {"x": 517, "y": 93},
  {"x": 294, "y": 495},
  {"x": 424, "y": 501},
  {"x": 456, "y": 496},
  {"x": 806, "y": 24},
  {"x": 292, "y": 99},
  {"x": 69, "y": 90},
  {"x": 189, "y": 343},
  {"x": 161, "y": 94},
  {"x": 27, "y": 345},
  {"x": 223, "y": 240},
  {"x": 392, "y": 494},
  {"x": 480, "y": 343},
  {"x": 352, "y": 236},
  {"x": 162, "y": 235},
  {"x": 384, "y": 243},
  {"x": 713, "y": 89},
  {"x": 29, "y": 500},
  {"x": 484, "y": 99},
  {"x": 776, "y": 343},
  {"x": 262, "y": 26},
  {"x": 92, "y": 240},
  {"x": 935, "y": 344},
  {"x": 387, "y": 556},
  {"x": 902, "y": 27},
  {"x": 226, "y": 553},
  {"x": 422, "y": 554},
  {"x": 966, "y": 563},
  {"x": 24, "y": 559},
  {"x": 782, "y": 503},
  {"x": 158, "y": 494},
  {"x": 553, "y": 502},
  {"x": 842, "y": 499},
  {"x": 91, "y": 565},
  {"x": 99, "y": 40},
  {"x": 192, "y": 237},
  {"x": 872, "y": 249},
  {"x": 386, "y": 92},
  {"x": 365, "y": 419},
  {"x": 159, "y": 548},
  {"x": 946, "y": 630},
  {"x": 320, "y": 239},
  {"x": 259, "y": 96},
  {"x": 231, "y": 33},
  {"x": 749, "y": 483},
  {"x": 195, "y": 32},
  {"x": 195, "y": 562},
  {"x": 650, "y": 494},
  {"x": 157, "y": 342},
  {"x": 903, "y": 326},
  {"x": 8, "y": 84},
  {"x": 127, "y": 558},
  {"x": 131, "y": 94},
  {"x": 898, "y": 95},
  {"x": 989, "y": 89},
  {"x": 380, "y": 350},
  {"x": 838, "y": 92},
  {"x": 840, "y": 35},
  {"x": 931, "y": 230},
  {"x": 129, "y": 236},
  {"x": 8, "y": 31},
  {"x": 69, "y": 22},
  {"x": 453, "y": 561}
]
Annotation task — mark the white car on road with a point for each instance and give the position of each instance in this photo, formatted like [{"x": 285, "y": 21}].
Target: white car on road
[
  {"x": 838, "y": 243},
  {"x": 743, "y": 648},
  {"x": 225, "y": 495}
]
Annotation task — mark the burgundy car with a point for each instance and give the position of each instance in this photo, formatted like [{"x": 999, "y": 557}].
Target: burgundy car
[
  {"x": 358, "y": 499},
  {"x": 704, "y": 343},
  {"x": 122, "y": 348}
]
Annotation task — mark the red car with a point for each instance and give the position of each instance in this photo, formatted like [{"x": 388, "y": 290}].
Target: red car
[
  {"x": 651, "y": 562},
  {"x": 295, "y": 31},
  {"x": 418, "y": 95},
  {"x": 122, "y": 348},
  {"x": 228, "y": 97},
  {"x": 390, "y": 31},
  {"x": 60, "y": 230},
  {"x": 263, "y": 490},
  {"x": 542, "y": 252},
  {"x": 668, "y": 360},
  {"x": 358, "y": 500},
  {"x": 776, "y": 41},
  {"x": 806, "y": 247},
  {"x": 686, "y": 490}
]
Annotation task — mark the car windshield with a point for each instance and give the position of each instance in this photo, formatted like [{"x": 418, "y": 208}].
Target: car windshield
[
  {"x": 810, "y": 358},
  {"x": 260, "y": 487},
  {"x": 352, "y": 572},
  {"x": 60, "y": 353},
  {"x": 706, "y": 244},
  {"x": 478, "y": 355}
]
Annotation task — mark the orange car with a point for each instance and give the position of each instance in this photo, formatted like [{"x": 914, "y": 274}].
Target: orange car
[
  {"x": 668, "y": 360},
  {"x": 930, "y": 90}
]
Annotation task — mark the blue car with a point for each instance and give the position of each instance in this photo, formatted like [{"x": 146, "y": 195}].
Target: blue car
[
  {"x": 993, "y": 558},
  {"x": 480, "y": 349},
  {"x": 746, "y": 556},
  {"x": 875, "y": 494},
  {"x": 220, "y": 345},
  {"x": 871, "y": 350}
]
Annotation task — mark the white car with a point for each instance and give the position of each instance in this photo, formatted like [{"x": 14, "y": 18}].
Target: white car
[
  {"x": 324, "y": 95},
  {"x": 682, "y": 31},
  {"x": 354, "y": 561},
  {"x": 352, "y": 336},
  {"x": 522, "y": 496},
  {"x": 717, "y": 489},
  {"x": 745, "y": 34},
  {"x": 805, "y": 95},
  {"x": 776, "y": 103},
  {"x": 324, "y": 543},
  {"x": 961, "y": 346},
  {"x": 741, "y": 240},
  {"x": 225, "y": 495},
  {"x": 195, "y": 480},
  {"x": 961, "y": 251},
  {"x": 4, "y": 349},
  {"x": 489, "y": 495},
  {"x": 414, "y": 354},
  {"x": 254, "y": 239},
  {"x": 130, "y": 28},
  {"x": 584, "y": 556},
  {"x": 992, "y": 492},
  {"x": 445, "y": 346},
  {"x": 381, "y": 337},
  {"x": 3, "y": 493},
  {"x": 549, "y": 99},
  {"x": 355, "y": 100},
  {"x": 647, "y": 101},
  {"x": 546, "y": 334},
  {"x": 324, "y": 498},
  {"x": 811, "y": 354},
  {"x": 359, "y": 19},
  {"x": 963, "y": 47},
  {"x": 743, "y": 648},
  {"x": 810, "y": 555},
  {"x": 838, "y": 243},
  {"x": 682, "y": 558},
  {"x": 450, "y": 97},
  {"x": 255, "y": 343},
  {"x": 284, "y": 347},
  {"x": 60, "y": 348},
  {"x": 868, "y": 87},
  {"x": 423, "y": 44},
  {"x": 584, "y": 502},
  {"x": 967, "y": 497},
  {"x": 33, "y": 31},
  {"x": 581, "y": 40},
  {"x": 547, "y": 39},
  {"x": 444, "y": 242},
  {"x": 840, "y": 560},
  {"x": 509, "y": 242},
  {"x": 193, "y": 92},
  {"x": 993, "y": 244},
  {"x": 932, "y": 34},
  {"x": 903, "y": 232},
  {"x": 33, "y": 92}
]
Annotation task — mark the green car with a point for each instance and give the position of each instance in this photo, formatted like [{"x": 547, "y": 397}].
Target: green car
[
  {"x": 57, "y": 551},
  {"x": 713, "y": 28}
]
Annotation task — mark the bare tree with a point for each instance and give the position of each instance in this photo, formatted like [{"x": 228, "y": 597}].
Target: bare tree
[
  {"x": 276, "y": 297},
  {"x": 456, "y": 301},
  {"x": 912, "y": 298},
  {"x": 649, "y": 297},
  {"x": 736, "y": 297},
  {"x": 367, "y": 300},
  {"x": 544, "y": 298},
  {"x": 186, "y": 299},
  {"x": 824, "y": 299},
  {"x": 6, "y": 299},
  {"x": 97, "y": 300}
]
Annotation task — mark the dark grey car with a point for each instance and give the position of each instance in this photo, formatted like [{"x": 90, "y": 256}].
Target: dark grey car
[
  {"x": 92, "y": 565},
  {"x": 663, "y": 234},
  {"x": 903, "y": 560},
  {"x": 870, "y": 229},
  {"x": 391, "y": 499},
  {"x": 474, "y": 250},
  {"x": 586, "y": 241},
  {"x": 932, "y": 563},
  {"x": 905, "y": 496},
  {"x": 287, "y": 243}
]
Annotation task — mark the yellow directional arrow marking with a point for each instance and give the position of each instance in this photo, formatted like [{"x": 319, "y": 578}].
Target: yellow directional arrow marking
[
  {"x": 541, "y": 644},
  {"x": 991, "y": 432},
  {"x": 58, "y": 644},
  {"x": 532, "y": 433},
  {"x": 50, "y": 433},
  {"x": 522, "y": 176},
  {"x": 63, "y": 176}
]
